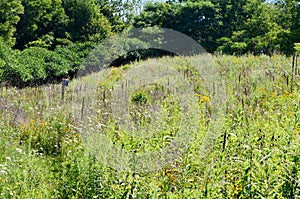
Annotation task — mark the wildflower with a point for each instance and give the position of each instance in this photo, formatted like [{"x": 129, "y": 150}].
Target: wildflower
[
  {"x": 273, "y": 94},
  {"x": 204, "y": 99},
  {"x": 3, "y": 172},
  {"x": 19, "y": 150},
  {"x": 297, "y": 131}
]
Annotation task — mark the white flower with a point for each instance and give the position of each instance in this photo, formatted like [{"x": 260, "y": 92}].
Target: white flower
[
  {"x": 19, "y": 150},
  {"x": 3, "y": 172}
]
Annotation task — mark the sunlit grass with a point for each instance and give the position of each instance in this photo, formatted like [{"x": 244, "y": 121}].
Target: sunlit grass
[{"x": 43, "y": 152}]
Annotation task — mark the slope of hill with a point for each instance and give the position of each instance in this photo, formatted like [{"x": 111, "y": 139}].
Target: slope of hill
[{"x": 45, "y": 143}]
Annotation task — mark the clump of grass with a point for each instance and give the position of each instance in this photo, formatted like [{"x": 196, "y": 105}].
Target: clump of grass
[{"x": 140, "y": 98}]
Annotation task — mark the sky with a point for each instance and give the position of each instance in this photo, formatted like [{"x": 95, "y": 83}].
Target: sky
[{"x": 144, "y": 1}]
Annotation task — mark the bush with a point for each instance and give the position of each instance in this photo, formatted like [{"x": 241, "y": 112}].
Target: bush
[{"x": 36, "y": 65}]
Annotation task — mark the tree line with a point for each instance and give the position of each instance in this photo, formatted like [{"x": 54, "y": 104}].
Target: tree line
[
  {"x": 230, "y": 26},
  {"x": 43, "y": 40}
]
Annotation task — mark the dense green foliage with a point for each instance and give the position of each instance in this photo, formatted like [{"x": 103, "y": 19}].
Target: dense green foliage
[
  {"x": 36, "y": 65},
  {"x": 42, "y": 41},
  {"x": 9, "y": 17},
  {"x": 230, "y": 26},
  {"x": 43, "y": 155},
  {"x": 65, "y": 28},
  {"x": 61, "y": 27}
]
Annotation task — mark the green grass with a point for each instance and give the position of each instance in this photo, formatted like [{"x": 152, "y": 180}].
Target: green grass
[{"x": 256, "y": 155}]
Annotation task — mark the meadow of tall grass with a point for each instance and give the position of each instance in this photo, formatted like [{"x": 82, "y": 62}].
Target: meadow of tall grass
[{"x": 45, "y": 154}]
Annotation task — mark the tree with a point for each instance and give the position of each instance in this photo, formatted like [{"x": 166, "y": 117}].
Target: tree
[
  {"x": 40, "y": 18},
  {"x": 47, "y": 23},
  {"x": 198, "y": 20},
  {"x": 119, "y": 12},
  {"x": 7, "y": 60},
  {"x": 9, "y": 17},
  {"x": 292, "y": 15},
  {"x": 259, "y": 33},
  {"x": 157, "y": 14},
  {"x": 85, "y": 20},
  {"x": 231, "y": 14}
]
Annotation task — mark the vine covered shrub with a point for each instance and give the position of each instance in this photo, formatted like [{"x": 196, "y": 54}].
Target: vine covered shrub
[{"x": 36, "y": 65}]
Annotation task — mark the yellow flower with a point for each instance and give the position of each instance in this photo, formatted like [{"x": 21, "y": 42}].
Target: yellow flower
[
  {"x": 273, "y": 94},
  {"x": 204, "y": 99}
]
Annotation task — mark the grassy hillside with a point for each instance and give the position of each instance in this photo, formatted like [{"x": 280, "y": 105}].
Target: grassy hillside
[{"x": 45, "y": 150}]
